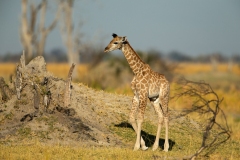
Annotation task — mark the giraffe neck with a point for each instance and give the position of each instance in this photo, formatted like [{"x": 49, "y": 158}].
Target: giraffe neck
[{"x": 134, "y": 61}]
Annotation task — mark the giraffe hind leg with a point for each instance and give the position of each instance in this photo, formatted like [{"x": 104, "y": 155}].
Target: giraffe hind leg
[
  {"x": 161, "y": 110},
  {"x": 164, "y": 107},
  {"x": 166, "y": 143},
  {"x": 158, "y": 110}
]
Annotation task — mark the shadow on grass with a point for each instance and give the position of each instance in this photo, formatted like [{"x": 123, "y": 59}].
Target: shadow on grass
[{"x": 148, "y": 138}]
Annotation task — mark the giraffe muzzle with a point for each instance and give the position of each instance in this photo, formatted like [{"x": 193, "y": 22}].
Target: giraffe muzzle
[{"x": 106, "y": 50}]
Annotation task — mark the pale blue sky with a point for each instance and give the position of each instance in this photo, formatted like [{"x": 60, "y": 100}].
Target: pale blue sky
[{"x": 189, "y": 26}]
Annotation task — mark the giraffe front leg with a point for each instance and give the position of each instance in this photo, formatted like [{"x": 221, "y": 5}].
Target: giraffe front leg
[
  {"x": 142, "y": 106},
  {"x": 135, "y": 104},
  {"x": 138, "y": 140}
]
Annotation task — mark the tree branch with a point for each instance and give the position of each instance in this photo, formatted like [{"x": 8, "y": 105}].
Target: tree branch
[{"x": 205, "y": 101}]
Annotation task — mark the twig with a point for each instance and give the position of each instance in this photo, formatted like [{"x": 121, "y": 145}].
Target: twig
[
  {"x": 36, "y": 96},
  {"x": 22, "y": 60},
  {"x": 18, "y": 83},
  {"x": 5, "y": 90}
]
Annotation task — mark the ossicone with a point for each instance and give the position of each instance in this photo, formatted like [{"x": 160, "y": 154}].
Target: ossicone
[{"x": 114, "y": 35}]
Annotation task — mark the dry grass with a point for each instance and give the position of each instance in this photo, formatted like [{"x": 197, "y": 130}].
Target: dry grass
[
  {"x": 185, "y": 146},
  {"x": 61, "y": 70},
  {"x": 36, "y": 151},
  {"x": 58, "y": 69},
  {"x": 6, "y": 69},
  {"x": 193, "y": 68}
]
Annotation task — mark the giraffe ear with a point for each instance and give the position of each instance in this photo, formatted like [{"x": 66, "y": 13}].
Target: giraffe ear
[
  {"x": 124, "y": 39},
  {"x": 114, "y": 35}
]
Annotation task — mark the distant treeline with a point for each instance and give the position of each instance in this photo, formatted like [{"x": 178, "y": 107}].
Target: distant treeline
[{"x": 95, "y": 56}]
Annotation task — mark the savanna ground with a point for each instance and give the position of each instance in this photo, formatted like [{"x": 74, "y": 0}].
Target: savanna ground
[{"x": 226, "y": 84}]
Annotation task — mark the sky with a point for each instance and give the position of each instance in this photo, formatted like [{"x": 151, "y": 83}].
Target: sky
[{"x": 192, "y": 27}]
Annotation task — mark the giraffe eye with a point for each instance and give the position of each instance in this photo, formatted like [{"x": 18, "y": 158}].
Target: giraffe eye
[{"x": 115, "y": 43}]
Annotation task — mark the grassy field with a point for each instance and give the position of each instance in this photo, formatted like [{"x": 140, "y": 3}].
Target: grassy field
[
  {"x": 68, "y": 153},
  {"x": 36, "y": 150},
  {"x": 225, "y": 84}
]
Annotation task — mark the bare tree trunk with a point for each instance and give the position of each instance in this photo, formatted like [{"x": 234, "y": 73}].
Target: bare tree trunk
[
  {"x": 67, "y": 33},
  {"x": 68, "y": 28},
  {"x": 34, "y": 40},
  {"x": 26, "y": 33},
  {"x": 43, "y": 31},
  {"x": 67, "y": 95}
]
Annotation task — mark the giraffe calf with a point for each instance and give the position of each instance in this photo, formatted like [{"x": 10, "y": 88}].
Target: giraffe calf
[{"x": 146, "y": 84}]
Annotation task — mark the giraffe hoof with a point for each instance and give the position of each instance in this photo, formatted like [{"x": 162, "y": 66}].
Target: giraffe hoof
[
  {"x": 155, "y": 148},
  {"x": 166, "y": 146},
  {"x": 136, "y": 148},
  {"x": 144, "y": 148}
]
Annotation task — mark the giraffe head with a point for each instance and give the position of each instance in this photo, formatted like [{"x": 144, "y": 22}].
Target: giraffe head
[{"x": 116, "y": 43}]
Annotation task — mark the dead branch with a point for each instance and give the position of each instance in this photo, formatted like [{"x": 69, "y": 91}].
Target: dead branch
[
  {"x": 46, "y": 93},
  {"x": 67, "y": 94},
  {"x": 19, "y": 76},
  {"x": 22, "y": 60},
  {"x": 44, "y": 31},
  {"x": 18, "y": 83},
  {"x": 71, "y": 42},
  {"x": 67, "y": 27},
  {"x": 205, "y": 102},
  {"x": 36, "y": 96},
  {"x": 6, "y": 92}
]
